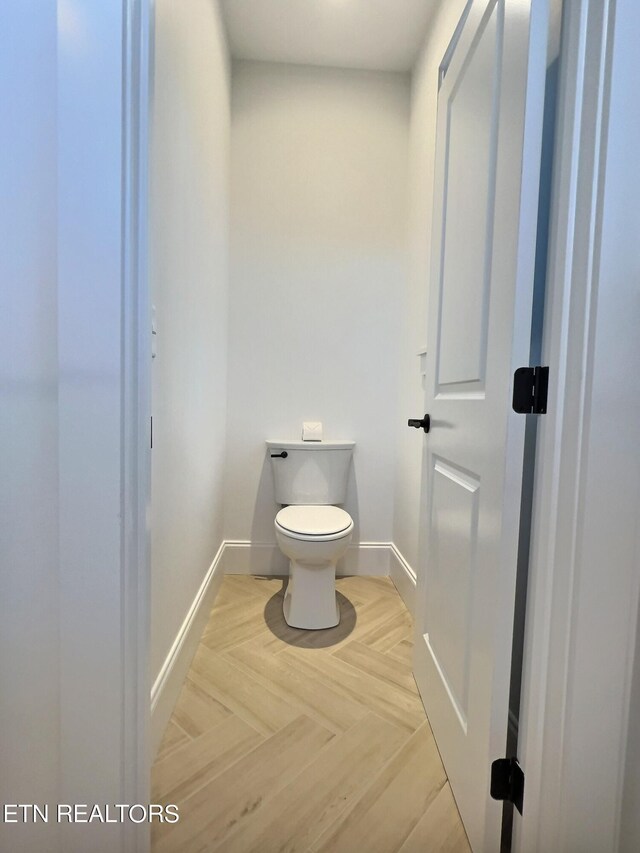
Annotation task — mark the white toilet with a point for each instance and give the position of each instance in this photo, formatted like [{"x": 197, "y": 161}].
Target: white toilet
[{"x": 310, "y": 479}]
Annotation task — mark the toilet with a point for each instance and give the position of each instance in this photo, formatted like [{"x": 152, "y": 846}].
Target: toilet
[{"x": 310, "y": 480}]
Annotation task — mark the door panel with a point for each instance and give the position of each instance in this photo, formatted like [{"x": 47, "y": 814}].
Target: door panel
[
  {"x": 454, "y": 519},
  {"x": 471, "y": 113},
  {"x": 487, "y": 169}
]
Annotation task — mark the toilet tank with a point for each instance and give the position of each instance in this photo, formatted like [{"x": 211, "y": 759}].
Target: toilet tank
[{"x": 313, "y": 472}]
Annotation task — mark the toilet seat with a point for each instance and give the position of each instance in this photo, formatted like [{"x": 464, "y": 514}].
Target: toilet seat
[
  {"x": 314, "y": 538},
  {"x": 314, "y": 523}
]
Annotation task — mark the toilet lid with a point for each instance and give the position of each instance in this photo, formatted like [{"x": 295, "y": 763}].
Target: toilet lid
[{"x": 313, "y": 520}]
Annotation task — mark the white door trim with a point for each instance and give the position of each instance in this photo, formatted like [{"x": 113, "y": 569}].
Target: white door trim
[
  {"x": 103, "y": 393},
  {"x": 136, "y": 416},
  {"x": 567, "y": 808}
]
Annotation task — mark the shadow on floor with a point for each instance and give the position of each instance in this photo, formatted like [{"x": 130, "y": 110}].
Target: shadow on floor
[{"x": 302, "y": 639}]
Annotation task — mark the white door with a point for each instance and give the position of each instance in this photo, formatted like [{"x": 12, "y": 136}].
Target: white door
[{"x": 481, "y": 288}]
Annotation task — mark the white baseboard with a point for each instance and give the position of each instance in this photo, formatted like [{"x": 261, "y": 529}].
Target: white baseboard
[
  {"x": 249, "y": 558},
  {"x": 243, "y": 557},
  {"x": 167, "y": 686},
  {"x": 403, "y": 577}
]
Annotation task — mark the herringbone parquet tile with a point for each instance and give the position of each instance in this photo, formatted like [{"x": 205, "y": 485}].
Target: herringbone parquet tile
[{"x": 286, "y": 741}]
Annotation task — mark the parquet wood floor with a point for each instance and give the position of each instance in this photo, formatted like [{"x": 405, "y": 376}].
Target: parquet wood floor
[{"x": 287, "y": 741}]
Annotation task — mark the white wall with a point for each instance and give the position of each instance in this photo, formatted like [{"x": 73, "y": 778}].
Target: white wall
[
  {"x": 189, "y": 277},
  {"x": 318, "y": 268},
  {"x": 424, "y": 93},
  {"x": 29, "y": 674}
]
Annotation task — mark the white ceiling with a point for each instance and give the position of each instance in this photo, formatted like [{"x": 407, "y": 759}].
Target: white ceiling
[{"x": 372, "y": 34}]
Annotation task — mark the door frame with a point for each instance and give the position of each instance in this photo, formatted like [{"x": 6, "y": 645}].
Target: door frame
[
  {"x": 104, "y": 392},
  {"x": 565, "y": 620},
  {"x": 137, "y": 380},
  {"x": 558, "y": 608}
]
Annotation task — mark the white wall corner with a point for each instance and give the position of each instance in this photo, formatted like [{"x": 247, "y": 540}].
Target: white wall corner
[
  {"x": 403, "y": 577},
  {"x": 253, "y": 558},
  {"x": 166, "y": 688}
]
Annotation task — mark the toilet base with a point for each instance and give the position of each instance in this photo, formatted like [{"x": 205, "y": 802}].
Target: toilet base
[{"x": 310, "y": 598}]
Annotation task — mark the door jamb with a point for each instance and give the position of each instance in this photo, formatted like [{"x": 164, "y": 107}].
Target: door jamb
[
  {"x": 136, "y": 413},
  {"x": 558, "y": 612},
  {"x": 103, "y": 76}
]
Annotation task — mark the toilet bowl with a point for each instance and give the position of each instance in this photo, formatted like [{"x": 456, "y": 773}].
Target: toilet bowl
[
  {"x": 310, "y": 479},
  {"x": 314, "y": 538}
]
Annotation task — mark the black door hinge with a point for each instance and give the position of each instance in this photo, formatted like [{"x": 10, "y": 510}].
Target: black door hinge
[
  {"x": 530, "y": 386},
  {"x": 507, "y": 781}
]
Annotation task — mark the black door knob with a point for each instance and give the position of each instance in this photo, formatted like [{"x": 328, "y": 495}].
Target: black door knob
[{"x": 420, "y": 423}]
